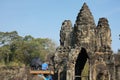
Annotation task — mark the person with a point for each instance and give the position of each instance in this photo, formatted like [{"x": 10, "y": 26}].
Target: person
[
  {"x": 48, "y": 77},
  {"x": 44, "y": 66}
]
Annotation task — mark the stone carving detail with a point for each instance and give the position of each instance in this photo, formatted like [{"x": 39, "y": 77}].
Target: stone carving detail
[
  {"x": 84, "y": 28},
  {"x": 65, "y": 33},
  {"x": 103, "y": 35},
  {"x": 60, "y": 61},
  {"x": 100, "y": 71}
]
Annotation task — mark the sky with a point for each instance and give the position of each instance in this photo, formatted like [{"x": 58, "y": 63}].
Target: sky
[{"x": 43, "y": 18}]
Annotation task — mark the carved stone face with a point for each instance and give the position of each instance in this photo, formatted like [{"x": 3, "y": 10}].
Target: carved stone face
[{"x": 66, "y": 25}]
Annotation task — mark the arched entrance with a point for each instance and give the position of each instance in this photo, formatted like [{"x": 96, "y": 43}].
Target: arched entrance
[{"x": 80, "y": 64}]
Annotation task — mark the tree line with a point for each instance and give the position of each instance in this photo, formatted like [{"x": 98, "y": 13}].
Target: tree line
[{"x": 18, "y": 50}]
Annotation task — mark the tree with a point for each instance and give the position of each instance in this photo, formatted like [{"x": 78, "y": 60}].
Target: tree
[
  {"x": 8, "y": 37},
  {"x": 5, "y": 54},
  {"x": 15, "y": 48}
]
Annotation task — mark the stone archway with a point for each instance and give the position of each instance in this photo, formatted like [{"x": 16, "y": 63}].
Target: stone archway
[{"x": 80, "y": 63}]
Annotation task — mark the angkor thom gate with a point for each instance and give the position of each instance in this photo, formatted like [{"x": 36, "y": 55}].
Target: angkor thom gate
[{"x": 85, "y": 50}]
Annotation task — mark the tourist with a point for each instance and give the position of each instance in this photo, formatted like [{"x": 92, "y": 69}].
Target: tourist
[{"x": 45, "y": 66}]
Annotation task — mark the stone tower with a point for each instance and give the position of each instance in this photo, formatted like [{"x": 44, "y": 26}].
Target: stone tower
[
  {"x": 102, "y": 30},
  {"x": 66, "y": 33},
  {"x": 85, "y": 50},
  {"x": 84, "y": 28}
]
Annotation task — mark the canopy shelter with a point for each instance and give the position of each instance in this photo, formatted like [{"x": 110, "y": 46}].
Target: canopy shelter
[{"x": 49, "y": 72}]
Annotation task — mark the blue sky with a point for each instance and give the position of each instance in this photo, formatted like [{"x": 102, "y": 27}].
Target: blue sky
[{"x": 43, "y": 18}]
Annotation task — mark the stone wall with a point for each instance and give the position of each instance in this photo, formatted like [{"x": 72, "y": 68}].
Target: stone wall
[{"x": 14, "y": 73}]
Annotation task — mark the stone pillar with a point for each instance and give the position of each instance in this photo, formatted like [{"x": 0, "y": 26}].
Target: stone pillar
[
  {"x": 90, "y": 71},
  {"x": 70, "y": 72},
  {"x": 69, "y": 75},
  {"x": 117, "y": 72},
  {"x": 111, "y": 68}
]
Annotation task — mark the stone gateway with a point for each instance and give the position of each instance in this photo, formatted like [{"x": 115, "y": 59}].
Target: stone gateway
[{"x": 85, "y": 50}]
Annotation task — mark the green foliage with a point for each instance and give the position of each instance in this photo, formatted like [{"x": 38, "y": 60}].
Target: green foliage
[
  {"x": 4, "y": 54},
  {"x": 85, "y": 72},
  {"x": 20, "y": 50}
]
